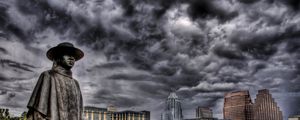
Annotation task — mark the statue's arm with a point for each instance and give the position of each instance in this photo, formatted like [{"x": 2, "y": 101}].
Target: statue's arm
[{"x": 38, "y": 103}]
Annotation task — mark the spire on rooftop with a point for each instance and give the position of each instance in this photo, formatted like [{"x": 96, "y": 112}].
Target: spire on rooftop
[{"x": 173, "y": 95}]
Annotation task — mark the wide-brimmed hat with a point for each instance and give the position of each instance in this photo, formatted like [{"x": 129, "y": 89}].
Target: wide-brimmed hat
[{"x": 64, "y": 48}]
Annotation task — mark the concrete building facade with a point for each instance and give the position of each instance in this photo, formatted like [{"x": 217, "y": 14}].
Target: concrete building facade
[{"x": 265, "y": 107}]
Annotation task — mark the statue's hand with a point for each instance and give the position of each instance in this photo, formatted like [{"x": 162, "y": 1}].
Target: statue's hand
[{"x": 35, "y": 115}]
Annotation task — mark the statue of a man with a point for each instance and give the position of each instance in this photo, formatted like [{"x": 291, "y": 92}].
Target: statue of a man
[{"x": 57, "y": 95}]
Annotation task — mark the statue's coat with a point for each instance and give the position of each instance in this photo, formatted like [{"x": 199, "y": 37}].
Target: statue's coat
[{"x": 57, "y": 96}]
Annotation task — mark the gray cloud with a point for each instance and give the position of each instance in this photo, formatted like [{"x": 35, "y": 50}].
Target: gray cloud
[{"x": 136, "y": 52}]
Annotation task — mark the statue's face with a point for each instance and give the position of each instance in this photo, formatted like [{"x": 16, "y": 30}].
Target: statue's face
[{"x": 68, "y": 61}]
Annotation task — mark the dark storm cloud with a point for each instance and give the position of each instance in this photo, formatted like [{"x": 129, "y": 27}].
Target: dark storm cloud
[
  {"x": 48, "y": 16},
  {"x": 3, "y": 92},
  {"x": 156, "y": 91},
  {"x": 7, "y": 25},
  {"x": 3, "y": 15},
  {"x": 11, "y": 95},
  {"x": 137, "y": 52},
  {"x": 18, "y": 68},
  {"x": 163, "y": 84},
  {"x": 263, "y": 44},
  {"x": 206, "y": 102},
  {"x": 208, "y": 88},
  {"x": 207, "y": 9},
  {"x": 3, "y": 78},
  {"x": 22, "y": 66},
  {"x": 111, "y": 65},
  {"x": 109, "y": 97},
  {"x": 121, "y": 101},
  {"x": 161, "y": 6},
  {"x": 228, "y": 52},
  {"x": 248, "y": 1},
  {"x": 128, "y": 77},
  {"x": 294, "y": 4},
  {"x": 3, "y": 51}
]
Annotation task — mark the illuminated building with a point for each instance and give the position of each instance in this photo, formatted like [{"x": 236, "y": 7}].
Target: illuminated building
[
  {"x": 110, "y": 113},
  {"x": 111, "y": 108},
  {"x": 296, "y": 117},
  {"x": 202, "y": 119},
  {"x": 131, "y": 115},
  {"x": 94, "y": 113}
]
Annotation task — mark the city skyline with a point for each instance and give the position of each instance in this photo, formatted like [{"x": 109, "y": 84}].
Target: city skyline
[
  {"x": 262, "y": 106},
  {"x": 138, "y": 51}
]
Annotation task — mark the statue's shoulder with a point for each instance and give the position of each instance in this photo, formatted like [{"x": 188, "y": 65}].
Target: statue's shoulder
[
  {"x": 47, "y": 72},
  {"x": 76, "y": 81},
  {"x": 45, "y": 76}
]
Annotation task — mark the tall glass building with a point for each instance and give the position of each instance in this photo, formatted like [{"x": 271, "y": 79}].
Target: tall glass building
[{"x": 173, "y": 110}]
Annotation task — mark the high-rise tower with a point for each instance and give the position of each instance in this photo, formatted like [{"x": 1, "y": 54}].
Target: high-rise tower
[
  {"x": 238, "y": 106},
  {"x": 265, "y": 107},
  {"x": 173, "y": 110}
]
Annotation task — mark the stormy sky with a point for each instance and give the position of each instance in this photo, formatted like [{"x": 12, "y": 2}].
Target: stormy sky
[{"x": 138, "y": 51}]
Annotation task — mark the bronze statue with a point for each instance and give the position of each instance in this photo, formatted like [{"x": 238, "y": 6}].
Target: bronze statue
[{"x": 57, "y": 95}]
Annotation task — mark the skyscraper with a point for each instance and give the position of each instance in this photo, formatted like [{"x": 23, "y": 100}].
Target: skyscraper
[
  {"x": 265, "y": 108},
  {"x": 238, "y": 106},
  {"x": 173, "y": 110},
  {"x": 204, "y": 112}
]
